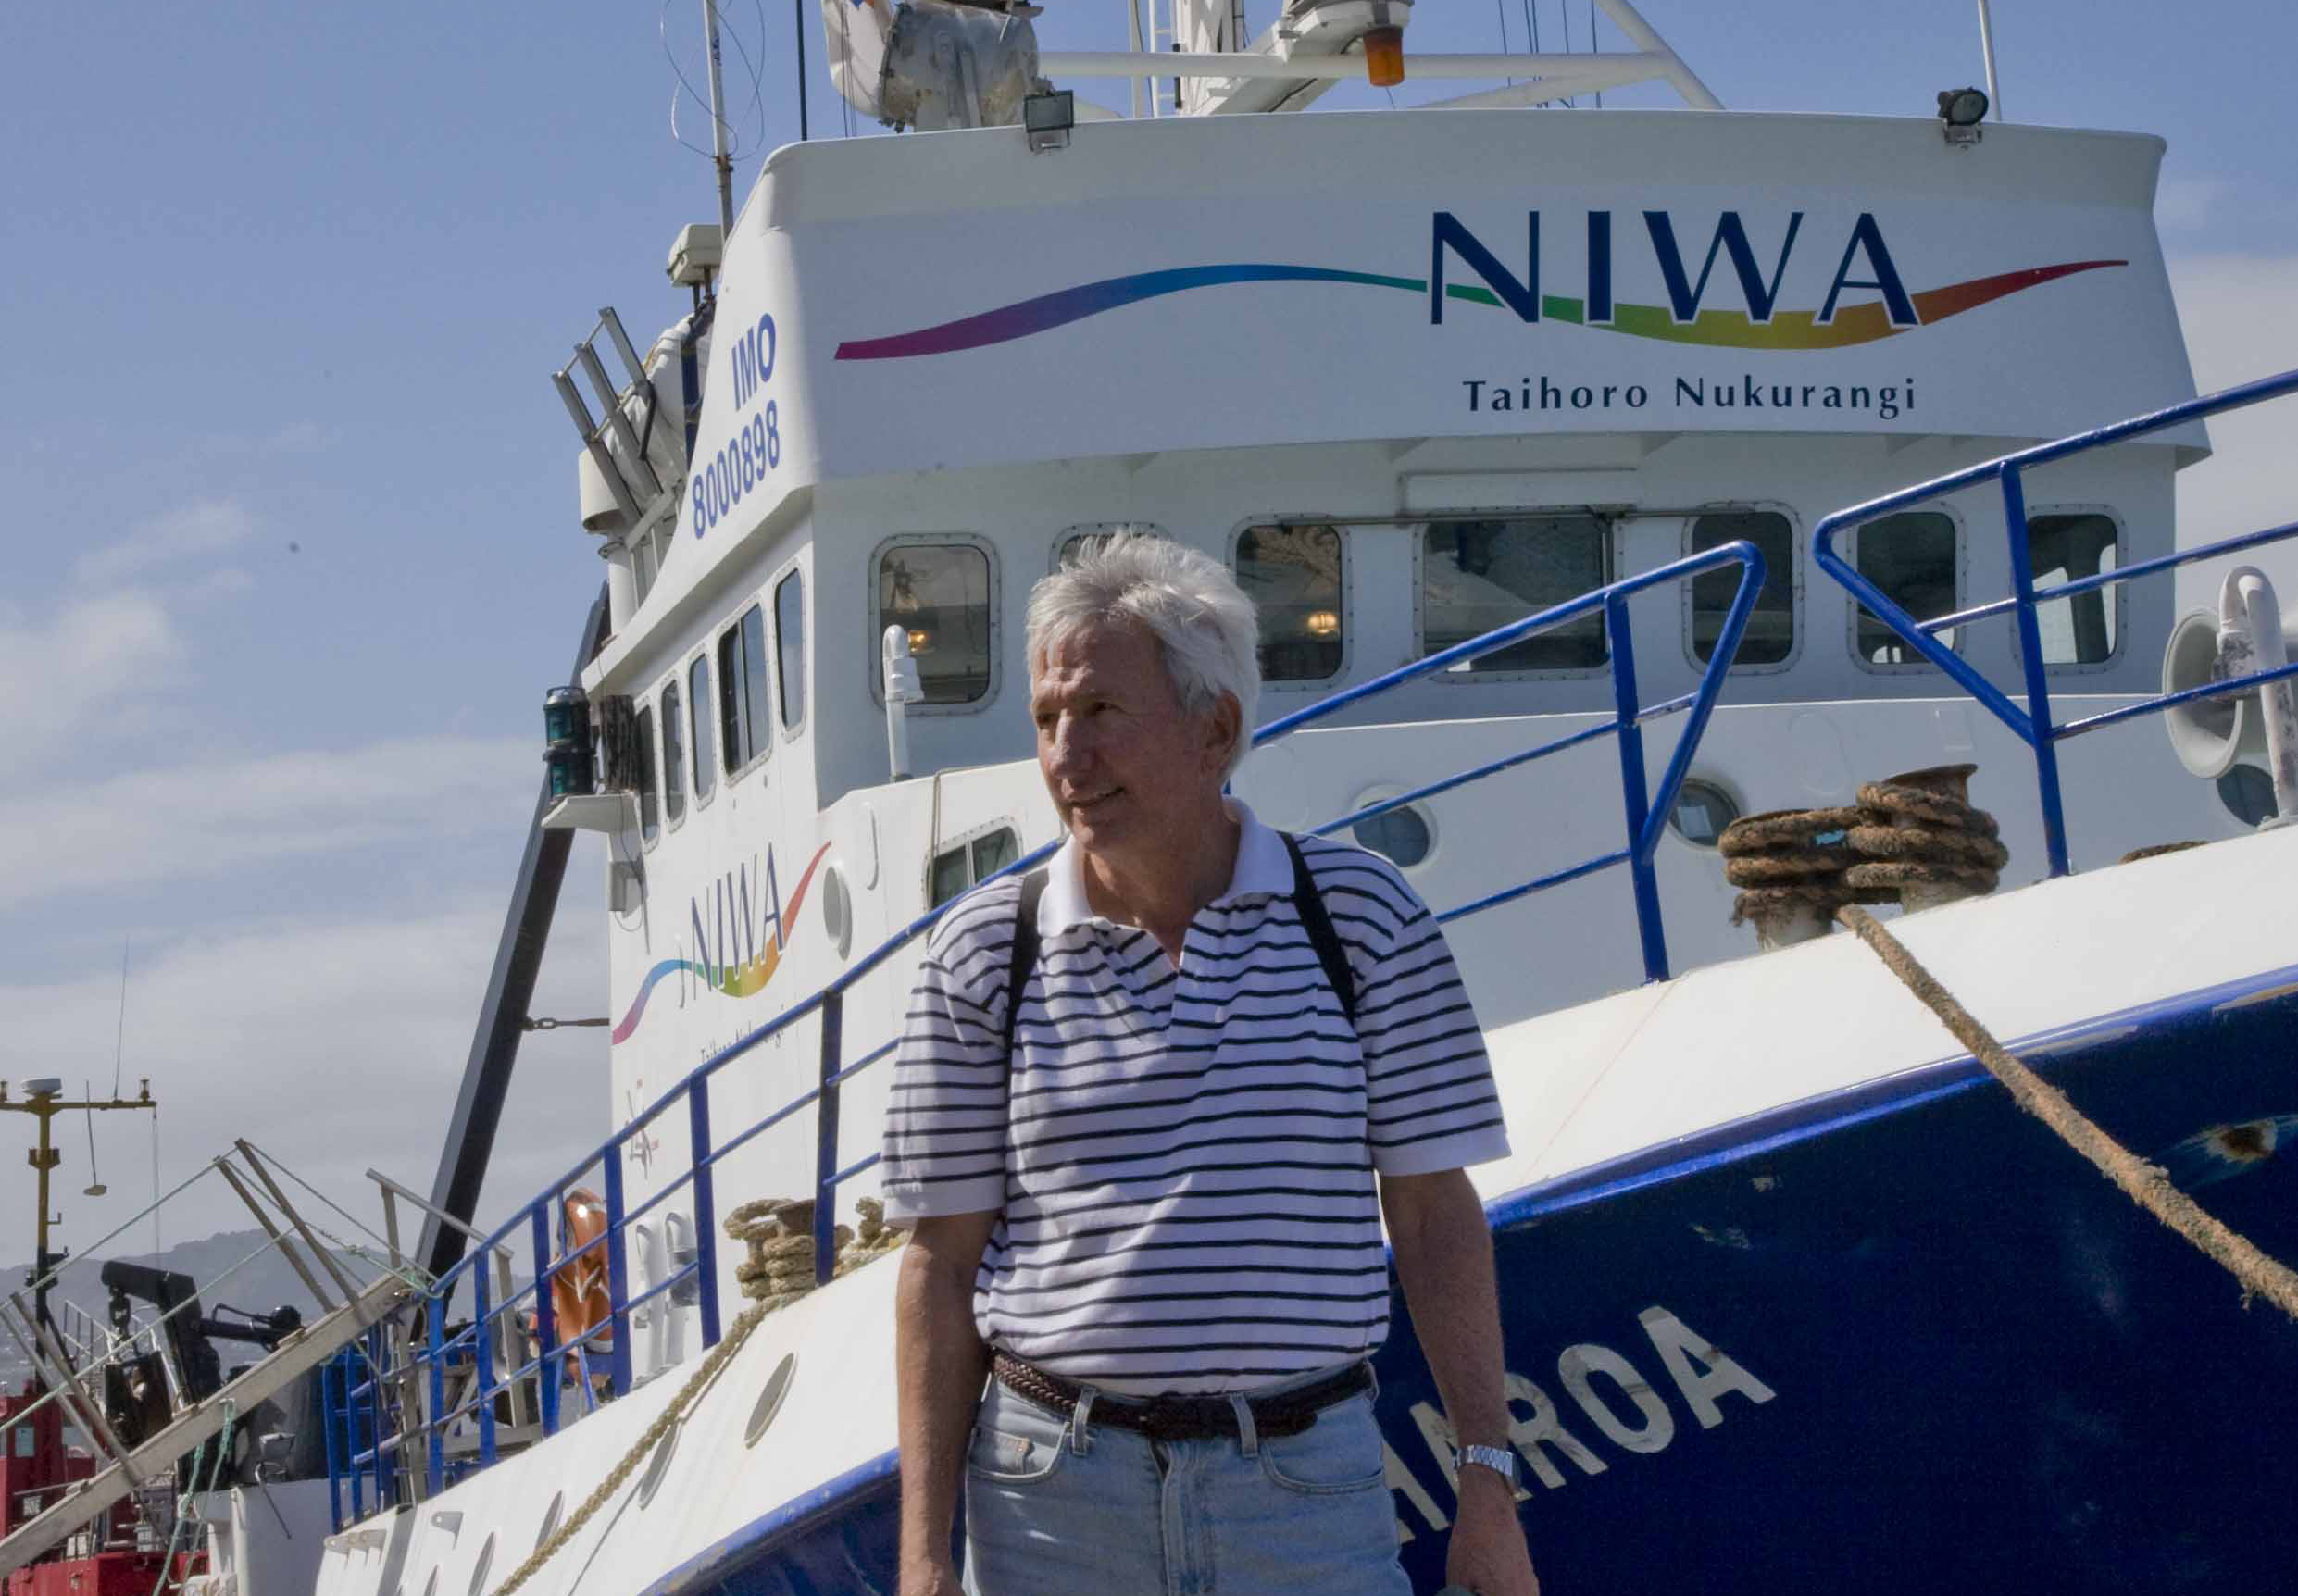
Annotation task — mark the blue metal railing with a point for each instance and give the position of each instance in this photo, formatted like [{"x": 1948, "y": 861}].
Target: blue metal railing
[
  {"x": 2033, "y": 724},
  {"x": 365, "y": 1446}
]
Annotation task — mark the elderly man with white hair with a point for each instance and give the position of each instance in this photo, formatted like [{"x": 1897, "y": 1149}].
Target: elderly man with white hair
[{"x": 1150, "y": 1110}]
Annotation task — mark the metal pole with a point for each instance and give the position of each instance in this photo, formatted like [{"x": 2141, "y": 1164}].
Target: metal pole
[
  {"x": 1987, "y": 49},
  {"x": 717, "y": 122},
  {"x": 2039, "y": 734},
  {"x": 1634, "y": 792},
  {"x": 798, "y": 11}
]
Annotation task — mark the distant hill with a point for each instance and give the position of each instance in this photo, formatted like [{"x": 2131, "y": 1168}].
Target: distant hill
[{"x": 260, "y": 1285}]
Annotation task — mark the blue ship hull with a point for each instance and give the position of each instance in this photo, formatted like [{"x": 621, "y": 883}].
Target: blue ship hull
[{"x": 1900, "y": 1340}]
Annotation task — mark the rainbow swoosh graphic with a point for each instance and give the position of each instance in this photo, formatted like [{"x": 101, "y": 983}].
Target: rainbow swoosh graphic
[
  {"x": 734, "y": 980},
  {"x": 1719, "y": 329}
]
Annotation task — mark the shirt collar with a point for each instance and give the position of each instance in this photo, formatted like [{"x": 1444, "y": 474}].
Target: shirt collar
[{"x": 1263, "y": 866}]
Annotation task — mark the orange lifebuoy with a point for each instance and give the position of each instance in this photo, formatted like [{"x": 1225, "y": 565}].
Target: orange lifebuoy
[{"x": 581, "y": 1305}]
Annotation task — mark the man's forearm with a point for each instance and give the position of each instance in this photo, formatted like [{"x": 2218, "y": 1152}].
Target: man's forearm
[
  {"x": 939, "y": 1366},
  {"x": 1444, "y": 1259}
]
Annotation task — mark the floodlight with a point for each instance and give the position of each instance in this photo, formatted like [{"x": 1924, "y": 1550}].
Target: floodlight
[
  {"x": 1960, "y": 112},
  {"x": 1046, "y": 118}
]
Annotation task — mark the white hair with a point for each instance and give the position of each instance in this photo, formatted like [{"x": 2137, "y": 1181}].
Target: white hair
[{"x": 1207, "y": 628}]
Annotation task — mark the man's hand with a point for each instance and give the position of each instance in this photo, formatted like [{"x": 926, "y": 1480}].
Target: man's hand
[{"x": 1486, "y": 1554}]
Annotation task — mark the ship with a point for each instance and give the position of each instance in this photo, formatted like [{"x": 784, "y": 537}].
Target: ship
[{"x": 1671, "y": 528}]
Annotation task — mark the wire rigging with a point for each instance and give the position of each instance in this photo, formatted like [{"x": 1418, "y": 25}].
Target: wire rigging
[{"x": 735, "y": 149}]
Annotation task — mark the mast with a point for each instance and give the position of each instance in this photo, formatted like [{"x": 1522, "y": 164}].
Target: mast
[{"x": 44, "y": 1102}]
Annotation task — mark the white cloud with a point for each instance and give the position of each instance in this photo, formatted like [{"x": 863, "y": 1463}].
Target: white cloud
[
  {"x": 2236, "y": 312},
  {"x": 336, "y": 1046},
  {"x": 67, "y": 668},
  {"x": 204, "y": 528},
  {"x": 189, "y": 820}
]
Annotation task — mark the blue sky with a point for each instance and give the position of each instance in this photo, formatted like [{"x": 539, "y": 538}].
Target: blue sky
[{"x": 293, "y": 541}]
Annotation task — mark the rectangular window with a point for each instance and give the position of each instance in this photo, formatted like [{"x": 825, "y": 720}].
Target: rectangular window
[
  {"x": 649, "y": 820},
  {"x": 698, "y": 701},
  {"x": 1770, "y": 635},
  {"x": 956, "y": 868},
  {"x": 1293, "y": 576},
  {"x": 744, "y": 730},
  {"x": 2065, "y": 548},
  {"x": 673, "y": 756},
  {"x": 1476, "y": 574},
  {"x": 789, "y": 648},
  {"x": 1913, "y": 558},
  {"x": 940, "y": 593}
]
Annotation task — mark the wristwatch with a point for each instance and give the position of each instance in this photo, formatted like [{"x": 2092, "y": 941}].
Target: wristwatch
[{"x": 1499, "y": 1459}]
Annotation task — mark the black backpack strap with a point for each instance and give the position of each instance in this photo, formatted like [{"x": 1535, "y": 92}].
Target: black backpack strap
[
  {"x": 1310, "y": 905},
  {"x": 1025, "y": 946}
]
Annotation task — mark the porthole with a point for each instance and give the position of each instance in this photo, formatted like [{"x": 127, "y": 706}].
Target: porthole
[
  {"x": 1703, "y": 810},
  {"x": 2248, "y": 794},
  {"x": 486, "y": 1562},
  {"x": 550, "y": 1519},
  {"x": 1400, "y": 835},
  {"x": 659, "y": 1470},
  {"x": 771, "y": 1399},
  {"x": 837, "y": 910}
]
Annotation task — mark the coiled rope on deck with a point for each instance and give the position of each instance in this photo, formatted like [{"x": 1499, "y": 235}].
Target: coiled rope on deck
[
  {"x": 2143, "y": 1183},
  {"x": 1903, "y": 832}
]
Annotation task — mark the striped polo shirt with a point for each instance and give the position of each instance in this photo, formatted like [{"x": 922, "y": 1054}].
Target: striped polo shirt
[{"x": 1184, "y": 1160}]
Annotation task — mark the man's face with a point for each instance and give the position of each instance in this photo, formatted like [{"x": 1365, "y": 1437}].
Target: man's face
[{"x": 1133, "y": 774}]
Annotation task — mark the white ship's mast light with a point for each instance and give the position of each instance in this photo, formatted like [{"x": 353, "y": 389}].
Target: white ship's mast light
[{"x": 1048, "y": 118}]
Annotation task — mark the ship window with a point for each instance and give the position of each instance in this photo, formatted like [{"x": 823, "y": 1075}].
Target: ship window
[
  {"x": 1295, "y": 576},
  {"x": 1913, "y": 558},
  {"x": 789, "y": 648},
  {"x": 940, "y": 593},
  {"x": 2063, "y": 548},
  {"x": 743, "y": 728},
  {"x": 698, "y": 703},
  {"x": 956, "y": 868},
  {"x": 1476, "y": 574},
  {"x": 649, "y": 820},
  {"x": 1770, "y": 635},
  {"x": 673, "y": 756}
]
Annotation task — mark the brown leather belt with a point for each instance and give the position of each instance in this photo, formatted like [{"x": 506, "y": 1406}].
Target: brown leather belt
[{"x": 1184, "y": 1418}]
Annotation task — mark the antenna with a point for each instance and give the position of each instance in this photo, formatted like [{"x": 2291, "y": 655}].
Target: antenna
[
  {"x": 1986, "y": 49},
  {"x": 119, "y": 1036},
  {"x": 718, "y": 156}
]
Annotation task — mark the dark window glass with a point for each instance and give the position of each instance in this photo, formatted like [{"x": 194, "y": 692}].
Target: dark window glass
[
  {"x": 649, "y": 820},
  {"x": 673, "y": 755},
  {"x": 698, "y": 698},
  {"x": 758, "y": 722},
  {"x": 1912, "y": 558},
  {"x": 1401, "y": 834},
  {"x": 744, "y": 730},
  {"x": 2077, "y": 630},
  {"x": 790, "y": 647},
  {"x": 941, "y": 594},
  {"x": 951, "y": 876},
  {"x": 1770, "y": 634},
  {"x": 1293, "y": 574},
  {"x": 733, "y": 735},
  {"x": 995, "y": 851},
  {"x": 1481, "y": 574}
]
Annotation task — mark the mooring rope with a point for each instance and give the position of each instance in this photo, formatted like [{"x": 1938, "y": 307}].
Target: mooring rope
[
  {"x": 2143, "y": 1183},
  {"x": 779, "y": 1232}
]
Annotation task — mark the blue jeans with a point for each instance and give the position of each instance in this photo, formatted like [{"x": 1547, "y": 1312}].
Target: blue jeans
[{"x": 1058, "y": 1508}]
